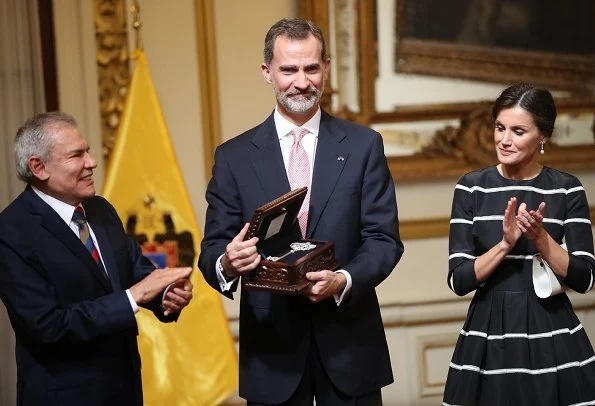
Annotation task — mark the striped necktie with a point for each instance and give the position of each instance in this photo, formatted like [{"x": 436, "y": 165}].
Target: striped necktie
[
  {"x": 81, "y": 221},
  {"x": 298, "y": 173}
]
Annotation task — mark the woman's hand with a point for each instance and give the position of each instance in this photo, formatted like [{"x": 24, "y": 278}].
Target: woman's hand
[
  {"x": 531, "y": 222},
  {"x": 510, "y": 229}
]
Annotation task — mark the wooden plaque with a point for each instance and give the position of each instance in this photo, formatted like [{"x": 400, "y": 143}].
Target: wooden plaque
[{"x": 286, "y": 256}]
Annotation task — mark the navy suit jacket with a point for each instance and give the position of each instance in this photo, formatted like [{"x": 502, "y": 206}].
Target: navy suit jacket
[
  {"x": 75, "y": 331},
  {"x": 352, "y": 203}
]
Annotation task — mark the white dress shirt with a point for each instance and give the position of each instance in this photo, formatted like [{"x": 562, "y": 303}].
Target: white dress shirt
[
  {"x": 309, "y": 141},
  {"x": 65, "y": 211}
]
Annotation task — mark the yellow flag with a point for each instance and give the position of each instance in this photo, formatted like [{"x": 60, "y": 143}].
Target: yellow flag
[{"x": 193, "y": 361}]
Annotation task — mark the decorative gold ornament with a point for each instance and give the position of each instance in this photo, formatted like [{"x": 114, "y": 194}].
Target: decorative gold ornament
[
  {"x": 113, "y": 67},
  {"x": 472, "y": 142},
  {"x": 149, "y": 201}
]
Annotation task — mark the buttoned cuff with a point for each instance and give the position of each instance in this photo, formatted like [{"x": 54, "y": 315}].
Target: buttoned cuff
[
  {"x": 340, "y": 296},
  {"x": 224, "y": 283},
  {"x": 132, "y": 302}
]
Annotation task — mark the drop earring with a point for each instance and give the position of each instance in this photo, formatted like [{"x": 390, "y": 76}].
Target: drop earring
[{"x": 541, "y": 151}]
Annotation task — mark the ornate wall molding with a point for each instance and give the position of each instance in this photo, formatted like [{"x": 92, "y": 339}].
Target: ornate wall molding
[
  {"x": 112, "y": 65},
  {"x": 209, "y": 81},
  {"x": 425, "y": 345},
  {"x": 454, "y": 151},
  {"x": 431, "y": 312}
]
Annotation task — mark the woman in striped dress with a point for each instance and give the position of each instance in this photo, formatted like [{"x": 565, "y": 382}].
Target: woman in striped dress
[{"x": 515, "y": 348}]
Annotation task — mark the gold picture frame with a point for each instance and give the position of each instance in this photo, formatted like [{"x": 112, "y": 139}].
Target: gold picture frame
[{"x": 448, "y": 157}]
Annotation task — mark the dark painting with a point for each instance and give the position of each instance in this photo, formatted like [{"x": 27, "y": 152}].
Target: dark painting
[
  {"x": 544, "y": 26},
  {"x": 510, "y": 36}
]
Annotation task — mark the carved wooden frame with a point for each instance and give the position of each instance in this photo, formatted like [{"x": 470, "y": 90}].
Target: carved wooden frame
[{"x": 443, "y": 165}]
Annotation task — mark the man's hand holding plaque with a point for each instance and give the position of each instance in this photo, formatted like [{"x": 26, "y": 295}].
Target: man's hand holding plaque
[
  {"x": 240, "y": 256},
  {"x": 276, "y": 258},
  {"x": 324, "y": 284}
]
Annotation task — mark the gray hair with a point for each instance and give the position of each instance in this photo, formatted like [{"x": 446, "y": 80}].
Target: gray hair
[
  {"x": 294, "y": 29},
  {"x": 34, "y": 138}
]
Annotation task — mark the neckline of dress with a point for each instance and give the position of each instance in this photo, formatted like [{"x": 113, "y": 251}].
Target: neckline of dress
[{"x": 533, "y": 179}]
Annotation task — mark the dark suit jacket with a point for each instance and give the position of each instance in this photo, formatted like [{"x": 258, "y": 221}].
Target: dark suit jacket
[
  {"x": 75, "y": 331},
  {"x": 353, "y": 204}
]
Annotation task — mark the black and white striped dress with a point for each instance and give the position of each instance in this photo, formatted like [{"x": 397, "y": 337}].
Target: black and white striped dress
[{"x": 515, "y": 348}]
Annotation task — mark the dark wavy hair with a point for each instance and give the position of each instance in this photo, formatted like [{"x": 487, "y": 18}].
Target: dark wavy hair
[{"x": 537, "y": 101}]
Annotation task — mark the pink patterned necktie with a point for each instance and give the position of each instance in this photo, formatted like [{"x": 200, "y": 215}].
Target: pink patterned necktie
[
  {"x": 81, "y": 221},
  {"x": 299, "y": 173}
]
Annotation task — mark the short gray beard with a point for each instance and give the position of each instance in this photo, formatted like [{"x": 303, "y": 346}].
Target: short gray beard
[{"x": 312, "y": 97}]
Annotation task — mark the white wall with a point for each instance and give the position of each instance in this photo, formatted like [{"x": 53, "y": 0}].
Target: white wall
[{"x": 246, "y": 100}]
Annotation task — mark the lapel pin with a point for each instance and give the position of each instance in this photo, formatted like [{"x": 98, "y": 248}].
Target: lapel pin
[{"x": 340, "y": 158}]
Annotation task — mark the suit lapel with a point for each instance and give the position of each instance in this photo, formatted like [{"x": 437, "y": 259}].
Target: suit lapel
[
  {"x": 51, "y": 221},
  {"x": 268, "y": 160},
  {"x": 331, "y": 157},
  {"x": 107, "y": 252}
]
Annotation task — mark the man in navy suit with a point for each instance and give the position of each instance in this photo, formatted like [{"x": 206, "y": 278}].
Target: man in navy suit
[
  {"x": 72, "y": 306},
  {"x": 329, "y": 344}
]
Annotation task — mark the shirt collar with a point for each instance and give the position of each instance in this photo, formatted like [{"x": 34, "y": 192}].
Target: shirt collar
[
  {"x": 284, "y": 126},
  {"x": 64, "y": 210}
]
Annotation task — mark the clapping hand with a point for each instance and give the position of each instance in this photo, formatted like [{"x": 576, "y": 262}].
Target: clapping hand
[
  {"x": 510, "y": 229},
  {"x": 531, "y": 222},
  {"x": 177, "y": 296},
  {"x": 154, "y": 283}
]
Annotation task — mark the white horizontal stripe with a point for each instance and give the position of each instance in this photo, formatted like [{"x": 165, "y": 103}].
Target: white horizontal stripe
[
  {"x": 460, "y": 254},
  {"x": 587, "y": 403},
  {"x": 474, "y": 333},
  {"x": 575, "y": 189},
  {"x": 465, "y": 188},
  {"x": 488, "y": 218},
  {"x": 463, "y": 255},
  {"x": 583, "y": 253},
  {"x": 508, "y": 188},
  {"x": 525, "y": 257},
  {"x": 590, "y": 402},
  {"x": 474, "y": 368},
  {"x": 498, "y": 217},
  {"x": 521, "y": 335},
  {"x": 457, "y": 220},
  {"x": 577, "y": 220},
  {"x": 576, "y": 363},
  {"x": 477, "y": 369}
]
